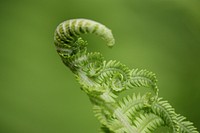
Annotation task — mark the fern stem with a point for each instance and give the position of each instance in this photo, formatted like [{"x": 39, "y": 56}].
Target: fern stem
[{"x": 125, "y": 122}]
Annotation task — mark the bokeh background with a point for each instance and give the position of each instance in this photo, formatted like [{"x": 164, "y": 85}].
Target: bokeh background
[{"x": 38, "y": 94}]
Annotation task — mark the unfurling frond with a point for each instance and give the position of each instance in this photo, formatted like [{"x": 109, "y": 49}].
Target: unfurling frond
[
  {"x": 143, "y": 78},
  {"x": 114, "y": 75},
  {"x": 104, "y": 80}
]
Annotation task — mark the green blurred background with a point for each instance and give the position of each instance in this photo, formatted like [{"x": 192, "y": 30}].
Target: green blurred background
[{"x": 38, "y": 94}]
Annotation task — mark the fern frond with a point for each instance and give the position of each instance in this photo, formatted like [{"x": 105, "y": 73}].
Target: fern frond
[
  {"x": 129, "y": 105},
  {"x": 147, "y": 123},
  {"x": 143, "y": 78},
  {"x": 115, "y": 75},
  {"x": 66, "y": 51},
  {"x": 91, "y": 63},
  {"x": 184, "y": 126},
  {"x": 116, "y": 126},
  {"x": 101, "y": 114},
  {"x": 165, "y": 111},
  {"x": 125, "y": 121},
  {"x": 115, "y": 121},
  {"x": 104, "y": 80},
  {"x": 110, "y": 123}
]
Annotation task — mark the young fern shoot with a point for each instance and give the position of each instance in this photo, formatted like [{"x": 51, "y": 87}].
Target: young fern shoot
[{"x": 104, "y": 80}]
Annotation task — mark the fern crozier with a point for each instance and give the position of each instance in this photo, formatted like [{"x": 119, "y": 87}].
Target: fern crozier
[{"x": 103, "y": 81}]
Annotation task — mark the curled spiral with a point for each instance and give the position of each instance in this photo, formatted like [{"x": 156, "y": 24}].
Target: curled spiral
[
  {"x": 103, "y": 81},
  {"x": 68, "y": 33}
]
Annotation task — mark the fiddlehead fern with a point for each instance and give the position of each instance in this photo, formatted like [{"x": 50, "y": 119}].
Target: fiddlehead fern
[{"x": 104, "y": 80}]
